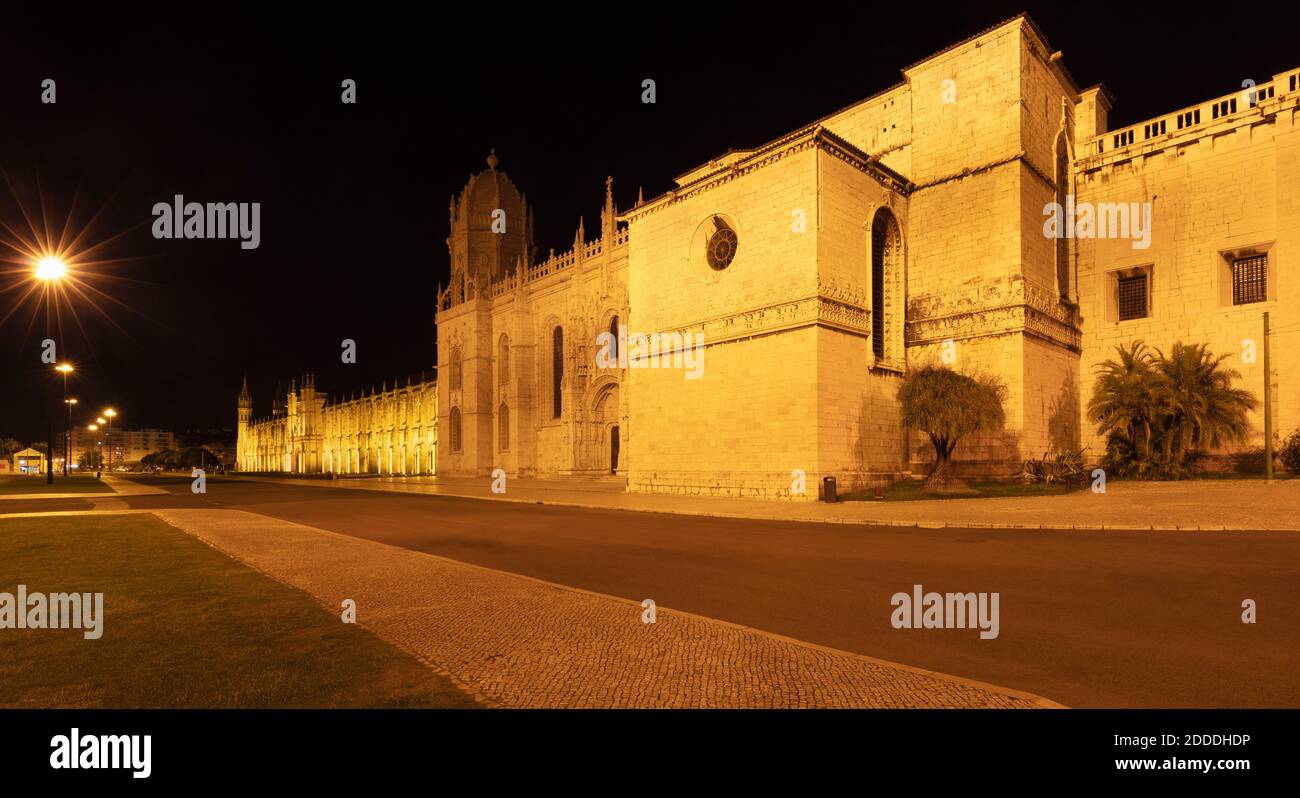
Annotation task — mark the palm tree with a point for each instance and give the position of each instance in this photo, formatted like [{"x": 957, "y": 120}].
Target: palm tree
[
  {"x": 1123, "y": 401},
  {"x": 1201, "y": 408},
  {"x": 1161, "y": 413}
]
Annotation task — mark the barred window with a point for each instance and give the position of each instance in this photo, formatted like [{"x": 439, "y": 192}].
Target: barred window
[
  {"x": 1133, "y": 297},
  {"x": 1250, "y": 280},
  {"x": 455, "y": 429},
  {"x": 503, "y": 427}
]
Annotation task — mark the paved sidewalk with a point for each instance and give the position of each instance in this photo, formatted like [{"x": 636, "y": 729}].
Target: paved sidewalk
[
  {"x": 1204, "y": 505},
  {"x": 515, "y": 641},
  {"x": 121, "y": 487}
]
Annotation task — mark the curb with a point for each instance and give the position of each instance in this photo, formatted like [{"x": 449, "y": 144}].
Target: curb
[{"x": 791, "y": 519}]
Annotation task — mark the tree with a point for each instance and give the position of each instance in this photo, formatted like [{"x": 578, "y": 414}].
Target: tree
[
  {"x": 1123, "y": 407},
  {"x": 42, "y": 447},
  {"x": 1200, "y": 407},
  {"x": 11, "y": 445},
  {"x": 1162, "y": 413},
  {"x": 948, "y": 406}
]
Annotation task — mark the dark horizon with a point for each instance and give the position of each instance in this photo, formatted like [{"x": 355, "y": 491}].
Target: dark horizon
[{"x": 354, "y": 197}]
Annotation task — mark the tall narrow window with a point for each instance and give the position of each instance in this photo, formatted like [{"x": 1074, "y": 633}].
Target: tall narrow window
[
  {"x": 878, "y": 238},
  {"x": 886, "y": 262},
  {"x": 454, "y": 423},
  {"x": 503, "y": 426},
  {"x": 1062, "y": 243},
  {"x": 557, "y": 371},
  {"x": 613, "y": 338},
  {"x": 503, "y": 358},
  {"x": 455, "y": 368}
]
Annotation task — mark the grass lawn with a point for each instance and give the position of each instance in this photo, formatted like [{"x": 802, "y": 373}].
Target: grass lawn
[
  {"x": 186, "y": 626},
  {"x": 37, "y": 484},
  {"x": 908, "y": 490}
]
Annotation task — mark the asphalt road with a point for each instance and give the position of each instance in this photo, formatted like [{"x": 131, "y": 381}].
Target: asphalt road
[{"x": 1090, "y": 619}]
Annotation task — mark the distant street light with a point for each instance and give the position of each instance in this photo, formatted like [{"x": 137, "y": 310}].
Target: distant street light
[
  {"x": 110, "y": 412},
  {"x": 65, "y": 369},
  {"x": 95, "y": 428},
  {"x": 67, "y": 438}
]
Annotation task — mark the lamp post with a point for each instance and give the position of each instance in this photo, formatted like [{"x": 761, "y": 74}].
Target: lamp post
[
  {"x": 110, "y": 412},
  {"x": 93, "y": 428},
  {"x": 49, "y": 270},
  {"x": 65, "y": 369},
  {"x": 99, "y": 422},
  {"x": 67, "y": 438}
]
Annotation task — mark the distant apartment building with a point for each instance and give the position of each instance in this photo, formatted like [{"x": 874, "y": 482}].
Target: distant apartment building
[{"x": 122, "y": 445}]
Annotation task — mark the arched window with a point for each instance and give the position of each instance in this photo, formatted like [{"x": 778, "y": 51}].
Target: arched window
[
  {"x": 454, "y": 423},
  {"x": 1062, "y": 192},
  {"x": 503, "y": 358},
  {"x": 557, "y": 370},
  {"x": 503, "y": 426},
  {"x": 455, "y": 368},
  {"x": 613, "y": 338},
  {"x": 884, "y": 253}
]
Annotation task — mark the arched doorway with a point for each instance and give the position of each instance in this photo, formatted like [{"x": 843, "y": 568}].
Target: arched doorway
[{"x": 613, "y": 449}]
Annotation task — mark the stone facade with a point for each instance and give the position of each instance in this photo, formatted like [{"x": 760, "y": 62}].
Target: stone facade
[
  {"x": 390, "y": 431},
  {"x": 806, "y": 276}
]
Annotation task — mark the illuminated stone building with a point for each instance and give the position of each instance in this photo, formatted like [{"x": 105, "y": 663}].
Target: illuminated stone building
[{"x": 819, "y": 267}]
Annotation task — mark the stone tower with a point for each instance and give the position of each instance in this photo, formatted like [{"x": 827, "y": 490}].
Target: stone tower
[
  {"x": 243, "y": 415},
  {"x": 491, "y": 243}
]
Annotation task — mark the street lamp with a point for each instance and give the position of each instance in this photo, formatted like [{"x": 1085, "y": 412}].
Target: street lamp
[
  {"x": 110, "y": 412},
  {"x": 99, "y": 422},
  {"x": 93, "y": 428},
  {"x": 49, "y": 270},
  {"x": 65, "y": 369},
  {"x": 67, "y": 438}
]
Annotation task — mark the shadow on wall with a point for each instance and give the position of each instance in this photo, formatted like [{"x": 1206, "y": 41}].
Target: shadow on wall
[
  {"x": 1063, "y": 418},
  {"x": 986, "y": 455},
  {"x": 879, "y": 445}
]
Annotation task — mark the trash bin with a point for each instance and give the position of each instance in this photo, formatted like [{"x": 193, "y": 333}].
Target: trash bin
[{"x": 828, "y": 490}]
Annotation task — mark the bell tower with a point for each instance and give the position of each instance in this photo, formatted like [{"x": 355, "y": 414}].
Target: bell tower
[
  {"x": 491, "y": 242},
  {"x": 491, "y": 232},
  {"x": 243, "y": 415}
]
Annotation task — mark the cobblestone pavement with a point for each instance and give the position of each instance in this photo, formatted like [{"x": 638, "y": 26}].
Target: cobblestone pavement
[
  {"x": 514, "y": 641},
  {"x": 1205, "y": 505}
]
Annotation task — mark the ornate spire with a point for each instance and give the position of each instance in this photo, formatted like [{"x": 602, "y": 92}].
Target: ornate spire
[
  {"x": 493, "y": 160},
  {"x": 608, "y": 212}
]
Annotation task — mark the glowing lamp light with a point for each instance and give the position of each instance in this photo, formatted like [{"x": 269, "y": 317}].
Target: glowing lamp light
[{"x": 51, "y": 268}]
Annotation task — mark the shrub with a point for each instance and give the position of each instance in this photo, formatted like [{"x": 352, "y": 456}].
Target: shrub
[{"x": 1289, "y": 453}]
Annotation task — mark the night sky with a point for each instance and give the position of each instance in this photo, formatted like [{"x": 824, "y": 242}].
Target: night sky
[{"x": 232, "y": 106}]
